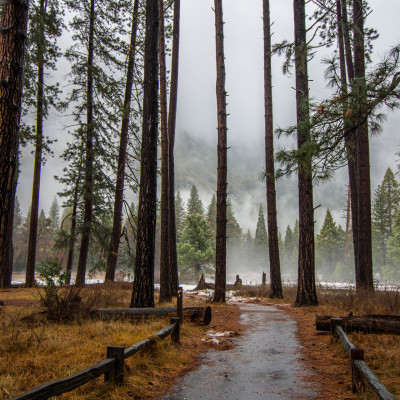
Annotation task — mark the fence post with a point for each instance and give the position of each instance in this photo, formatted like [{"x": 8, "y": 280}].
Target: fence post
[
  {"x": 179, "y": 304},
  {"x": 334, "y": 323},
  {"x": 356, "y": 377},
  {"x": 175, "y": 332},
  {"x": 116, "y": 375}
]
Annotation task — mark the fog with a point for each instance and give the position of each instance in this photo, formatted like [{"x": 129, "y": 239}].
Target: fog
[{"x": 244, "y": 83}]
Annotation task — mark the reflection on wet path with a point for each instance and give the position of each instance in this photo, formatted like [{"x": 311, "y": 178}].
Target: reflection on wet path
[{"x": 264, "y": 364}]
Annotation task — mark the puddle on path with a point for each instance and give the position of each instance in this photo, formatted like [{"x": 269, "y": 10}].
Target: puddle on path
[{"x": 264, "y": 363}]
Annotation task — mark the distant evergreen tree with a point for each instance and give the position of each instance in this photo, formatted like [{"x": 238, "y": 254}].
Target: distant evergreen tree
[
  {"x": 195, "y": 205},
  {"x": 43, "y": 225},
  {"x": 54, "y": 215},
  {"x": 261, "y": 240},
  {"x": 180, "y": 215},
  {"x": 195, "y": 251},
  {"x": 248, "y": 244},
  {"x": 392, "y": 270},
  {"x": 289, "y": 242},
  {"x": 17, "y": 214},
  {"x": 385, "y": 204},
  {"x": 329, "y": 244},
  {"x": 233, "y": 230},
  {"x": 212, "y": 213}
]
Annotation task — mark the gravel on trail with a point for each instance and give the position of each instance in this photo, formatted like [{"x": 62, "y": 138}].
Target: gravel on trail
[{"x": 264, "y": 363}]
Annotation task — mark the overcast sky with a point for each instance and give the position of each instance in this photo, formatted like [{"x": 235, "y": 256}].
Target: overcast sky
[{"x": 244, "y": 83}]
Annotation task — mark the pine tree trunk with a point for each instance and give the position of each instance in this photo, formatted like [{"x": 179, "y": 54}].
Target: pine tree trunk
[
  {"x": 220, "y": 251},
  {"x": 119, "y": 188},
  {"x": 364, "y": 278},
  {"x": 306, "y": 291},
  {"x": 33, "y": 226},
  {"x": 72, "y": 237},
  {"x": 350, "y": 138},
  {"x": 165, "y": 275},
  {"x": 88, "y": 184},
  {"x": 275, "y": 269},
  {"x": 143, "y": 285},
  {"x": 6, "y": 273},
  {"x": 14, "y": 18},
  {"x": 173, "y": 98}
]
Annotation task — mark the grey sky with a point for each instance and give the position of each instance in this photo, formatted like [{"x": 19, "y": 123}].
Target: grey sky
[{"x": 244, "y": 83}]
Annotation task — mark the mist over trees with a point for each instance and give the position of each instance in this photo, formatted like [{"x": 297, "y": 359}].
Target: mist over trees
[{"x": 121, "y": 57}]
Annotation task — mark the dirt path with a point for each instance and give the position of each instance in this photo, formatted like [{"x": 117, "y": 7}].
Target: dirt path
[{"x": 264, "y": 363}]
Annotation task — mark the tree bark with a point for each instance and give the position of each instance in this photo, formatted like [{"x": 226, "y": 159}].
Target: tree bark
[
  {"x": 14, "y": 18},
  {"x": 364, "y": 279},
  {"x": 173, "y": 98},
  {"x": 275, "y": 270},
  {"x": 88, "y": 184},
  {"x": 349, "y": 144},
  {"x": 306, "y": 291},
  {"x": 165, "y": 274},
  {"x": 6, "y": 274},
  {"x": 33, "y": 225},
  {"x": 350, "y": 137},
  {"x": 119, "y": 188},
  {"x": 220, "y": 253},
  {"x": 143, "y": 285},
  {"x": 72, "y": 237}
]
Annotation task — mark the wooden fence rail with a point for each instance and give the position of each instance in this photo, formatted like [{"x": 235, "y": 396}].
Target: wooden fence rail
[
  {"x": 112, "y": 367},
  {"x": 359, "y": 370}
]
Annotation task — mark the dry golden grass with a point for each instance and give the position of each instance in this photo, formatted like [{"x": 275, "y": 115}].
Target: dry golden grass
[
  {"x": 34, "y": 351},
  {"x": 325, "y": 355}
]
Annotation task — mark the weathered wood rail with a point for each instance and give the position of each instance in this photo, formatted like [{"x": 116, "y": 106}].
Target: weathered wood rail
[
  {"x": 360, "y": 372},
  {"x": 201, "y": 315},
  {"x": 372, "y": 323},
  {"x": 112, "y": 367}
]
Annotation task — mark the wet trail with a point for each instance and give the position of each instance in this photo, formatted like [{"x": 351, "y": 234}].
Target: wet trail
[{"x": 264, "y": 364}]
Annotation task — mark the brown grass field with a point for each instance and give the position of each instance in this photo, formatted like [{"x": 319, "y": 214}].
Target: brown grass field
[{"x": 34, "y": 350}]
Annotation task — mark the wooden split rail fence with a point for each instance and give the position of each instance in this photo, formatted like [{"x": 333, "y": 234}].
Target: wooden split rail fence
[
  {"x": 359, "y": 370},
  {"x": 112, "y": 367}
]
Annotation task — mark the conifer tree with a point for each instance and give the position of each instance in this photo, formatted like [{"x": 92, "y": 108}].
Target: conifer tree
[
  {"x": 17, "y": 214},
  {"x": 180, "y": 214},
  {"x": 275, "y": 268},
  {"x": 96, "y": 56},
  {"x": 212, "y": 213},
  {"x": 143, "y": 285},
  {"x": 165, "y": 270},
  {"x": 195, "y": 204},
  {"x": 385, "y": 205},
  {"x": 329, "y": 243},
  {"x": 261, "y": 239},
  {"x": 195, "y": 250},
  {"x": 45, "y": 27},
  {"x": 123, "y": 144},
  {"x": 392, "y": 271},
  {"x": 306, "y": 290},
  {"x": 173, "y": 100},
  {"x": 233, "y": 230},
  {"x": 54, "y": 215},
  {"x": 14, "y": 18},
  {"x": 220, "y": 252}
]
